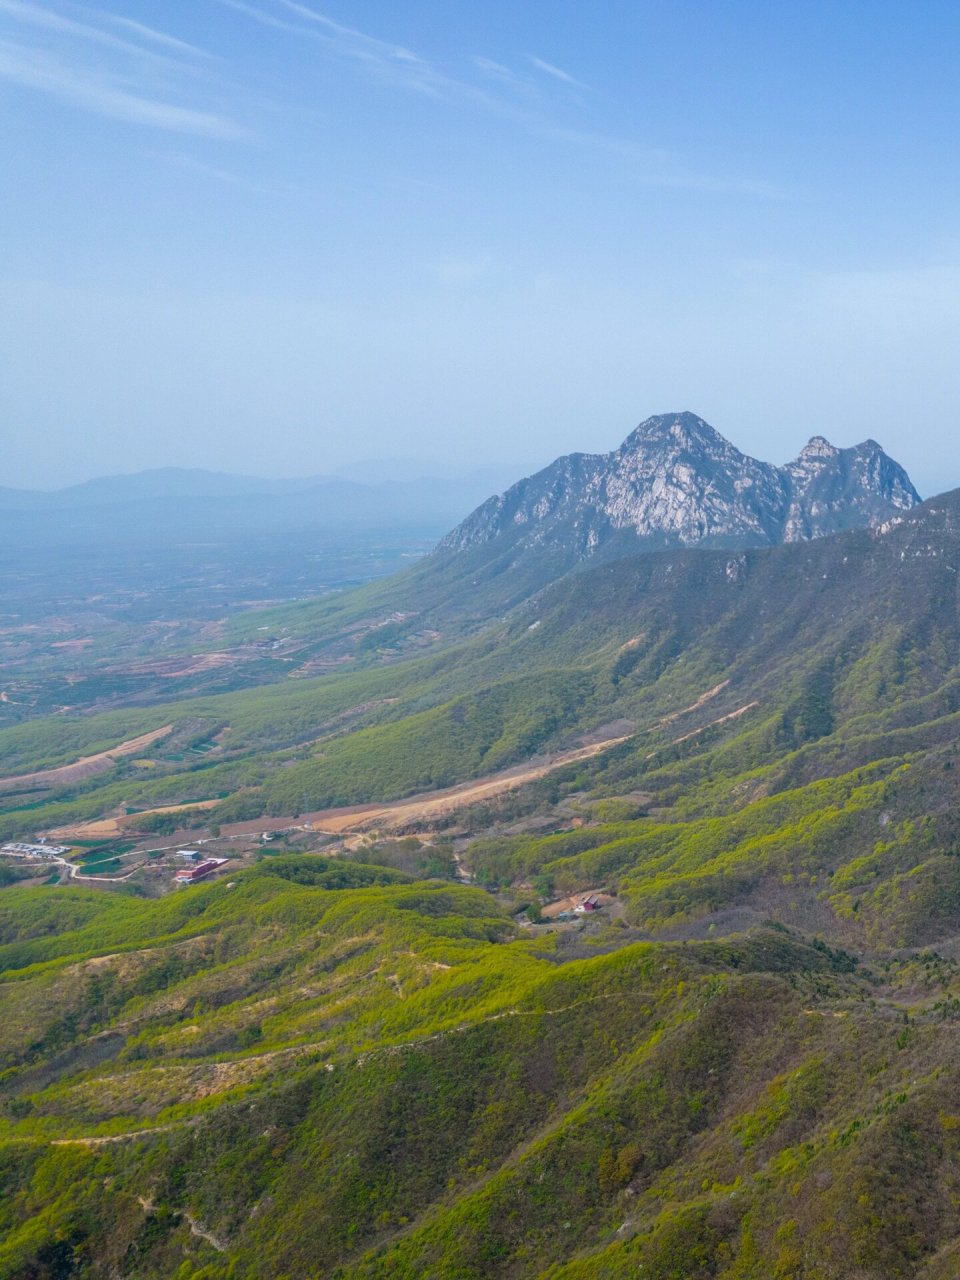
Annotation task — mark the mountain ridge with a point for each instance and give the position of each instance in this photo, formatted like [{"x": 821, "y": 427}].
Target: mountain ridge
[
  {"x": 179, "y": 481},
  {"x": 676, "y": 481}
]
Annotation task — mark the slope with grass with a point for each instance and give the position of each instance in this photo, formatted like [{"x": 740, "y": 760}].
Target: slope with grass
[
  {"x": 321, "y": 1068},
  {"x": 331, "y": 1070},
  {"x": 803, "y": 641}
]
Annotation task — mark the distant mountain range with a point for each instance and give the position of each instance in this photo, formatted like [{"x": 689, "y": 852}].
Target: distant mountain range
[
  {"x": 194, "y": 482},
  {"x": 676, "y": 482},
  {"x": 195, "y": 502}
]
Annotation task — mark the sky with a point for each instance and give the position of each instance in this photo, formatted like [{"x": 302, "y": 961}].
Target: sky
[{"x": 278, "y": 237}]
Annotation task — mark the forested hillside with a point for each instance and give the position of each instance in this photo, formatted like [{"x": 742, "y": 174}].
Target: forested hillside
[
  {"x": 320, "y": 1071},
  {"x": 744, "y": 1066}
]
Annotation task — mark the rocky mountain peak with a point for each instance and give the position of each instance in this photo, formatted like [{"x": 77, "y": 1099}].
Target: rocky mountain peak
[
  {"x": 684, "y": 429},
  {"x": 677, "y": 482},
  {"x": 817, "y": 447}
]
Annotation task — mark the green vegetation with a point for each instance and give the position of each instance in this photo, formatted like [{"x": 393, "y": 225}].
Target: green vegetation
[
  {"x": 480, "y": 733},
  {"x": 358, "y": 1067},
  {"x": 331, "y": 1069},
  {"x": 812, "y": 649}
]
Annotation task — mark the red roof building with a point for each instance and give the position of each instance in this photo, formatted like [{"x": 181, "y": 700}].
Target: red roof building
[
  {"x": 188, "y": 875},
  {"x": 589, "y": 903}
]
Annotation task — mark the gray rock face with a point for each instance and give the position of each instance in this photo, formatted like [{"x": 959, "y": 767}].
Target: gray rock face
[{"x": 676, "y": 482}]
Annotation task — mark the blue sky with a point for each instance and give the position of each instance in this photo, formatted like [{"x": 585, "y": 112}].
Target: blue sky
[{"x": 276, "y": 237}]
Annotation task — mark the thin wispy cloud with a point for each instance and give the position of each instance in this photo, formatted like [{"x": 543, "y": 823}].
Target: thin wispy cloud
[
  {"x": 150, "y": 33},
  {"x": 259, "y": 15},
  {"x": 95, "y": 93},
  {"x": 145, "y": 76},
  {"x": 362, "y": 44},
  {"x": 557, "y": 72},
  {"x": 497, "y": 71},
  {"x": 379, "y": 60},
  {"x": 344, "y": 40},
  {"x": 36, "y": 17},
  {"x": 504, "y": 92},
  {"x": 383, "y": 61}
]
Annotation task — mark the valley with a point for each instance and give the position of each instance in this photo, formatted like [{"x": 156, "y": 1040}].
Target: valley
[{"x": 118, "y": 605}]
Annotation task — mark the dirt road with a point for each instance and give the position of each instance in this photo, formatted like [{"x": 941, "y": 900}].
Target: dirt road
[
  {"x": 398, "y": 814},
  {"x": 111, "y": 828},
  {"x": 86, "y": 765},
  {"x": 392, "y": 816}
]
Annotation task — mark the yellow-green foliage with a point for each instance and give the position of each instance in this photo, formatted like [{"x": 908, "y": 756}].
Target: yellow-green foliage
[
  {"x": 431, "y": 749},
  {"x": 332, "y": 1070},
  {"x": 332, "y": 1066}
]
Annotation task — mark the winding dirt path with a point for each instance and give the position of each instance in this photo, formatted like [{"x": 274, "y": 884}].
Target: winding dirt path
[
  {"x": 111, "y": 1139},
  {"x": 199, "y": 1230},
  {"x": 731, "y": 715}
]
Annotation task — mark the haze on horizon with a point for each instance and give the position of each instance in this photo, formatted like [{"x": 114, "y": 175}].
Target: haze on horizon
[{"x": 276, "y": 238}]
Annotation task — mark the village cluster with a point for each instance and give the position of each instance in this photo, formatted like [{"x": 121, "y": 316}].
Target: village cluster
[
  {"x": 195, "y": 865},
  {"x": 35, "y": 852}
]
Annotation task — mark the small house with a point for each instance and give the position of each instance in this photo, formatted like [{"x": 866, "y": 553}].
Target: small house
[{"x": 587, "y": 904}]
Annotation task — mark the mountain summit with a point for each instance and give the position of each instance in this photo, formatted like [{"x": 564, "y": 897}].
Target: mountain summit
[{"x": 676, "y": 482}]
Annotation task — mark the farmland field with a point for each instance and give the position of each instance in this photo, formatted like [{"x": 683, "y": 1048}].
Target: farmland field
[{"x": 101, "y": 622}]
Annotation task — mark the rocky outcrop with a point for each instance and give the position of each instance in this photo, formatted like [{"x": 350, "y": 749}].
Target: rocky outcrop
[{"x": 676, "y": 482}]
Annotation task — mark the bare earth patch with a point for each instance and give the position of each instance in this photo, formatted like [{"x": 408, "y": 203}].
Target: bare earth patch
[
  {"x": 86, "y": 765},
  {"x": 108, "y": 828},
  {"x": 392, "y": 816}
]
